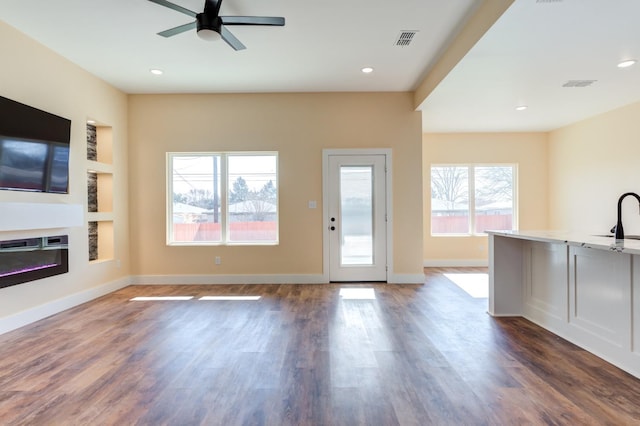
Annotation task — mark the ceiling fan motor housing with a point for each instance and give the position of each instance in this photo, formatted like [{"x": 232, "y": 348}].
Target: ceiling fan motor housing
[{"x": 206, "y": 22}]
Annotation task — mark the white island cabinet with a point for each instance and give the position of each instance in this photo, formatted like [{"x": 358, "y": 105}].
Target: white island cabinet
[{"x": 583, "y": 288}]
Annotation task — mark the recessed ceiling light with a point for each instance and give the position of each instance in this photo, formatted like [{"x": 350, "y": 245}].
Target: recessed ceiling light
[
  {"x": 91, "y": 121},
  {"x": 367, "y": 70},
  {"x": 627, "y": 63},
  {"x": 521, "y": 107},
  {"x": 156, "y": 71}
]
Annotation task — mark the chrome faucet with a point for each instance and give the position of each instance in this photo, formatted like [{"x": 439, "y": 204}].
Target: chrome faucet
[{"x": 618, "y": 227}]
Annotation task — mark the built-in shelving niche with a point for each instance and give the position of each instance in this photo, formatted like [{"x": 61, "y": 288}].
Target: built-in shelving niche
[{"x": 100, "y": 226}]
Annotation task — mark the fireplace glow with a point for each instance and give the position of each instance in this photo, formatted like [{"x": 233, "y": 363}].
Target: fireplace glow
[
  {"x": 32, "y": 259},
  {"x": 22, "y": 271}
]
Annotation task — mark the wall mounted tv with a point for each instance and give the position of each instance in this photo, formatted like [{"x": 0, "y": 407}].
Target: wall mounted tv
[{"x": 34, "y": 149}]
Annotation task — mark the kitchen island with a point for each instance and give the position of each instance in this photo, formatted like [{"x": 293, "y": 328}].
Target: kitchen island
[{"x": 582, "y": 287}]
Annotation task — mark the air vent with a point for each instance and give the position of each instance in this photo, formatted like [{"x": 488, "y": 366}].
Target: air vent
[
  {"x": 405, "y": 38},
  {"x": 579, "y": 83}
]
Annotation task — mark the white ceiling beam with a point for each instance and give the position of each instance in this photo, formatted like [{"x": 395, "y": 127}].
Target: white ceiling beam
[{"x": 478, "y": 24}]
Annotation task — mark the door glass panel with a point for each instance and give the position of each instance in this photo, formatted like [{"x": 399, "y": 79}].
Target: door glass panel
[{"x": 356, "y": 207}]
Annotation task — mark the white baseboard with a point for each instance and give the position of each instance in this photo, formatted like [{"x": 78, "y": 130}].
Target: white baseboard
[
  {"x": 29, "y": 316},
  {"x": 255, "y": 279},
  {"x": 226, "y": 279},
  {"x": 459, "y": 263}
]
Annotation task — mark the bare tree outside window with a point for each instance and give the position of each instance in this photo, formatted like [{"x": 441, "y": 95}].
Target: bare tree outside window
[
  {"x": 450, "y": 199},
  {"x": 494, "y": 206},
  {"x": 450, "y": 185},
  {"x": 493, "y": 184}
]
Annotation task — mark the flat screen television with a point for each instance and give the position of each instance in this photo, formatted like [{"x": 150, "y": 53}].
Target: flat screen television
[{"x": 34, "y": 149}]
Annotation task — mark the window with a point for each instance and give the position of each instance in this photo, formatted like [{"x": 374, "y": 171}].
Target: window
[
  {"x": 470, "y": 199},
  {"x": 222, "y": 198}
]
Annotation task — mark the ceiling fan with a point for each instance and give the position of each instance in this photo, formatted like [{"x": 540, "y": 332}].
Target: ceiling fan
[{"x": 210, "y": 25}]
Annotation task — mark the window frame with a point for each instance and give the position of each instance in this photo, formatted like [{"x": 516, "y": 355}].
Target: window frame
[
  {"x": 471, "y": 188},
  {"x": 224, "y": 198}
]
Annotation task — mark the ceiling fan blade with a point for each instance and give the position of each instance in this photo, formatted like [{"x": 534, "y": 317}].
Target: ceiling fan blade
[
  {"x": 178, "y": 30},
  {"x": 175, "y": 7},
  {"x": 253, "y": 20},
  {"x": 231, "y": 39}
]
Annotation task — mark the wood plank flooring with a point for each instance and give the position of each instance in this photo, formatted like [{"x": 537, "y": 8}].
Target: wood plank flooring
[{"x": 302, "y": 355}]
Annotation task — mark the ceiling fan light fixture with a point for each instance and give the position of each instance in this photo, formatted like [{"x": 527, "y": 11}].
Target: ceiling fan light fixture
[{"x": 208, "y": 34}]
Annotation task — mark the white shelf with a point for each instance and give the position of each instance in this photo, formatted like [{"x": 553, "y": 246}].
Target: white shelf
[
  {"x": 96, "y": 167},
  {"x": 100, "y": 217},
  {"x": 26, "y": 216}
]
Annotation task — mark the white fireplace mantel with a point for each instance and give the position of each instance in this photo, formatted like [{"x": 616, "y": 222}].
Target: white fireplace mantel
[{"x": 27, "y": 216}]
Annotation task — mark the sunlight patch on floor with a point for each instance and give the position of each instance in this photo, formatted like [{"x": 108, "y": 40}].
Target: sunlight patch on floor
[
  {"x": 165, "y": 298},
  {"x": 159, "y": 298},
  {"x": 357, "y": 293},
  {"x": 476, "y": 285},
  {"x": 230, "y": 298}
]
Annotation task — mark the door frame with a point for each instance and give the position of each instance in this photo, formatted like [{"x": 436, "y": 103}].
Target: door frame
[{"x": 326, "y": 153}]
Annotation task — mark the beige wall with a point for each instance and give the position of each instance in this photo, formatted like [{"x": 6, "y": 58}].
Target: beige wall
[
  {"x": 36, "y": 76},
  {"x": 592, "y": 163},
  {"x": 299, "y": 127},
  {"x": 528, "y": 150}
]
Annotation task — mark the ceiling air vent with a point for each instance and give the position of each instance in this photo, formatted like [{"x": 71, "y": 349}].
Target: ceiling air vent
[
  {"x": 405, "y": 37},
  {"x": 579, "y": 83}
]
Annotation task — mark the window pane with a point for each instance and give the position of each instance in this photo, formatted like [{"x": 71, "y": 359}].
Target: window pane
[
  {"x": 356, "y": 206},
  {"x": 196, "y": 198},
  {"x": 494, "y": 198},
  {"x": 449, "y": 200},
  {"x": 253, "y": 198}
]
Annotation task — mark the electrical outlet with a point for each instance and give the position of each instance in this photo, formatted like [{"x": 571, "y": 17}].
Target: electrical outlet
[{"x": 218, "y": 260}]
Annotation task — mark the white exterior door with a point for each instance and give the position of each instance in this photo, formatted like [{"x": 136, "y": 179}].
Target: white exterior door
[{"x": 357, "y": 218}]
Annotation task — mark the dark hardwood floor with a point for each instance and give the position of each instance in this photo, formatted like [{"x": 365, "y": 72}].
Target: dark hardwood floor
[{"x": 302, "y": 355}]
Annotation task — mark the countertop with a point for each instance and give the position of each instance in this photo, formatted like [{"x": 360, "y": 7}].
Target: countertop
[{"x": 578, "y": 239}]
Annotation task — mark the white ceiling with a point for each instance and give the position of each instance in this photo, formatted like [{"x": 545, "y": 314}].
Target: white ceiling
[
  {"x": 525, "y": 58},
  {"x": 322, "y": 47}
]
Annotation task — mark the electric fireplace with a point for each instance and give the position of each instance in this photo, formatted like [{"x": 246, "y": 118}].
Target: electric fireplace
[{"x": 31, "y": 259}]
